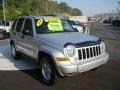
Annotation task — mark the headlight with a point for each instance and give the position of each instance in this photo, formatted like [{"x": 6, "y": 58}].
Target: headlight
[
  {"x": 70, "y": 51},
  {"x": 102, "y": 46}
]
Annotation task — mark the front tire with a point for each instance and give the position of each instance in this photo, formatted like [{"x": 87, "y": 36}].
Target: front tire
[
  {"x": 14, "y": 52},
  {"x": 94, "y": 69},
  {"x": 47, "y": 72}
]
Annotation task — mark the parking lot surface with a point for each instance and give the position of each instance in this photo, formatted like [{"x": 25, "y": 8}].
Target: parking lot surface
[
  {"x": 8, "y": 63},
  {"x": 106, "y": 77}
]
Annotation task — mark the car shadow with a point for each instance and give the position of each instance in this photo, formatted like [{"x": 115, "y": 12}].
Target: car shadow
[
  {"x": 34, "y": 73},
  {"x": 24, "y": 64},
  {"x": 21, "y": 64},
  {"x": 29, "y": 67}
]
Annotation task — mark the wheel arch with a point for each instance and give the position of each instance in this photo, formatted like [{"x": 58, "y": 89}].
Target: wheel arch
[{"x": 41, "y": 54}]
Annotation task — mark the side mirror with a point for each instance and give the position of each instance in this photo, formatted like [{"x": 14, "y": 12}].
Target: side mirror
[{"x": 27, "y": 32}]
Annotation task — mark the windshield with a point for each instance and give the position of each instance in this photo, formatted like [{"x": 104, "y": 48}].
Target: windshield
[{"x": 52, "y": 25}]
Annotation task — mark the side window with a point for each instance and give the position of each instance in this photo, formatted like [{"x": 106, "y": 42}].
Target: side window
[
  {"x": 19, "y": 24},
  {"x": 13, "y": 26},
  {"x": 28, "y": 26},
  {"x": 7, "y": 23}
]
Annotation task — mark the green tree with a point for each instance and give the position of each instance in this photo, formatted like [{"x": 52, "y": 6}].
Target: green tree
[
  {"x": 35, "y": 7},
  {"x": 76, "y": 12}
]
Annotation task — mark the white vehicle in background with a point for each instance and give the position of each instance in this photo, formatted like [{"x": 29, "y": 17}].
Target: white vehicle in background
[
  {"x": 5, "y": 25},
  {"x": 5, "y": 28},
  {"x": 83, "y": 21},
  {"x": 76, "y": 25},
  {"x": 84, "y": 28}
]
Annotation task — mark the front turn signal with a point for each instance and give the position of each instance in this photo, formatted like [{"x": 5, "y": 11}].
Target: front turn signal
[{"x": 62, "y": 59}]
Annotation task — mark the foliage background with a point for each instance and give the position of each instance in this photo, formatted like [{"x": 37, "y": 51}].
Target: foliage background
[{"x": 36, "y": 7}]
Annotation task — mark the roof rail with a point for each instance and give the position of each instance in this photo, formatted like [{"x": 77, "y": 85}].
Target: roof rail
[
  {"x": 23, "y": 15},
  {"x": 49, "y": 15}
]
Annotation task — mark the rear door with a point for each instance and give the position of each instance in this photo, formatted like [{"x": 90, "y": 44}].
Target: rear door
[{"x": 17, "y": 34}]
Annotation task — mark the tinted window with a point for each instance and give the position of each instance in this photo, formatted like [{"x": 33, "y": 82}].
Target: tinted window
[
  {"x": 7, "y": 23},
  {"x": 19, "y": 24},
  {"x": 28, "y": 25},
  {"x": 13, "y": 26}
]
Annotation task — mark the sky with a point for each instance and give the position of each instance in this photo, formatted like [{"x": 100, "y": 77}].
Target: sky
[{"x": 93, "y": 7}]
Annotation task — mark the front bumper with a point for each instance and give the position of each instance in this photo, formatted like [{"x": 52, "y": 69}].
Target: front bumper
[{"x": 68, "y": 70}]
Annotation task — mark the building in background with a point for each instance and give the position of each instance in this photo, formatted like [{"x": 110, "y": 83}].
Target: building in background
[{"x": 81, "y": 19}]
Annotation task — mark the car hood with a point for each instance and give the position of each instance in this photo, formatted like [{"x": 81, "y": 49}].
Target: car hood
[{"x": 67, "y": 37}]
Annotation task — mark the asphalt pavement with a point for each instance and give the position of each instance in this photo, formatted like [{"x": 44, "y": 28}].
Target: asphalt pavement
[{"x": 106, "y": 77}]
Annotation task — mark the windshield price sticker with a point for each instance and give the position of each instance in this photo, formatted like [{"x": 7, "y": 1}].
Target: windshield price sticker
[
  {"x": 55, "y": 27},
  {"x": 52, "y": 20},
  {"x": 39, "y": 22}
]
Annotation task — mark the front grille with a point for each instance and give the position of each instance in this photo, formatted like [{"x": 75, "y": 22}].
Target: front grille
[{"x": 89, "y": 52}]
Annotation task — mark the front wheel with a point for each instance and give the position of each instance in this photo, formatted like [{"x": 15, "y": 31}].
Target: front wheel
[
  {"x": 47, "y": 72},
  {"x": 94, "y": 69}
]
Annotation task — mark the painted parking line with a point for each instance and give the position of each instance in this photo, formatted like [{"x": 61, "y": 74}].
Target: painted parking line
[{"x": 8, "y": 63}]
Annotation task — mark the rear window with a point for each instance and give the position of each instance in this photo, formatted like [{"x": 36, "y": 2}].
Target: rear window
[
  {"x": 13, "y": 26},
  {"x": 19, "y": 24}
]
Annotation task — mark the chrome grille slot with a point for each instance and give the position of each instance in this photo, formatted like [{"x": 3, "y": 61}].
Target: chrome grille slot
[
  {"x": 89, "y": 52},
  {"x": 94, "y": 53},
  {"x": 79, "y": 54},
  {"x": 84, "y": 54},
  {"x": 97, "y": 50}
]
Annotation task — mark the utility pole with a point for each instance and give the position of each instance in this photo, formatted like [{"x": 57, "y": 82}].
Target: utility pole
[
  {"x": 3, "y": 4},
  {"x": 47, "y": 7}
]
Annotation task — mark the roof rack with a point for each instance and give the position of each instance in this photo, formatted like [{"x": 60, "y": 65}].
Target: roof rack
[
  {"x": 49, "y": 15},
  {"x": 23, "y": 15}
]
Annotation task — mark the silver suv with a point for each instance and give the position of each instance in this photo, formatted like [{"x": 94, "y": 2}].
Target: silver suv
[{"x": 56, "y": 46}]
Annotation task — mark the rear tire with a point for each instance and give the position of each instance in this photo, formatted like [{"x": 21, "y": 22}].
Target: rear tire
[
  {"x": 15, "y": 54},
  {"x": 47, "y": 71}
]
